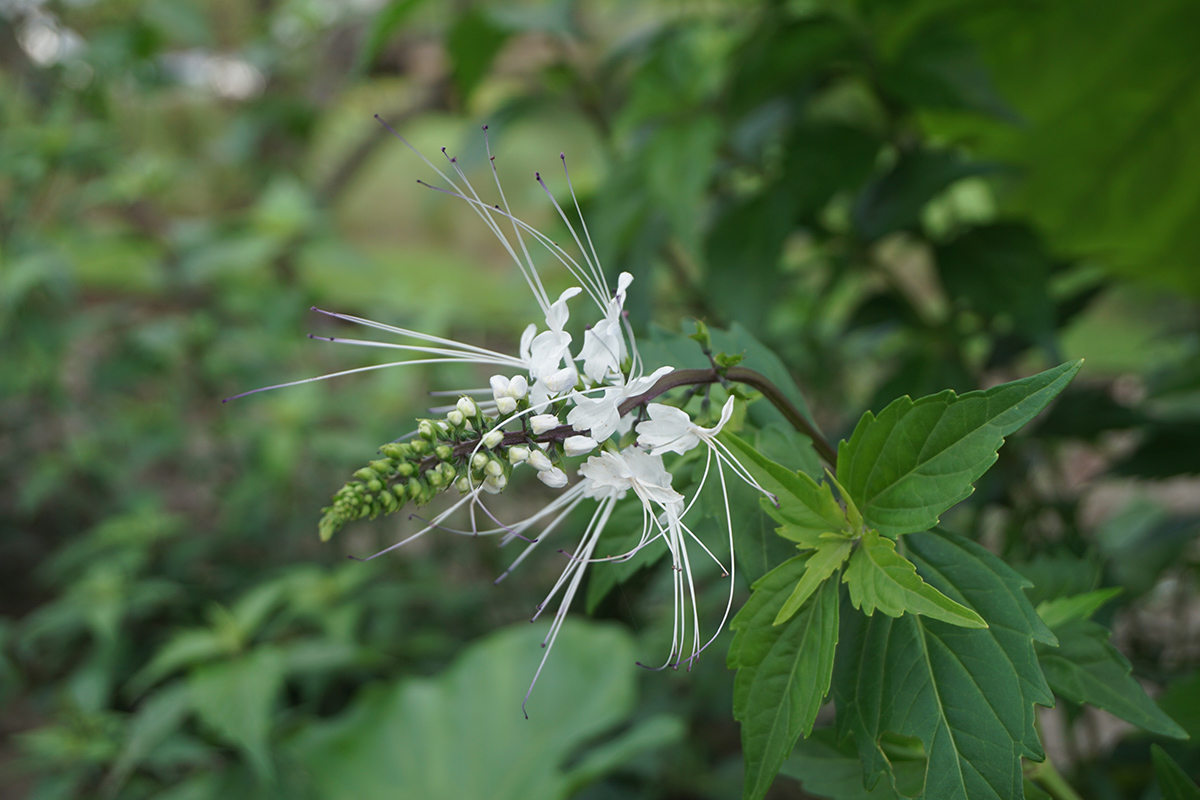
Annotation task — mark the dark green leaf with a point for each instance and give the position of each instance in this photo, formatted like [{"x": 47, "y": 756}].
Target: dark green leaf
[
  {"x": 829, "y": 768},
  {"x": 919, "y": 458},
  {"x": 621, "y": 534},
  {"x": 894, "y": 201},
  {"x": 967, "y": 694},
  {"x": 386, "y": 23},
  {"x": 1172, "y": 780},
  {"x": 940, "y": 68},
  {"x": 1002, "y": 270},
  {"x": 783, "y": 671},
  {"x": 1086, "y": 668},
  {"x": 472, "y": 43},
  {"x": 880, "y": 578}
]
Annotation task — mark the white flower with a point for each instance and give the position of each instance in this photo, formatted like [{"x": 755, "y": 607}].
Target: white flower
[
  {"x": 671, "y": 430},
  {"x": 466, "y": 407},
  {"x": 539, "y": 460},
  {"x": 600, "y": 416},
  {"x": 604, "y": 343},
  {"x": 492, "y": 438}
]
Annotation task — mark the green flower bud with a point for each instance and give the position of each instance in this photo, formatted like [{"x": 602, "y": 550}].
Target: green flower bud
[
  {"x": 406, "y": 470},
  {"x": 444, "y": 452},
  {"x": 375, "y": 486},
  {"x": 426, "y": 430}
]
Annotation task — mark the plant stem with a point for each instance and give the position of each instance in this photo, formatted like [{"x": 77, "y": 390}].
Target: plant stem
[
  {"x": 694, "y": 377},
  {"x": 1051, "y": 781}
]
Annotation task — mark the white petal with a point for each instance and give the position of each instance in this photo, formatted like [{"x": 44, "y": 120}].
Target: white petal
[
  {"x": 579, "y": 445},
  {"x": 543, "y": 422},
  {"x": 554, "y": 477}
]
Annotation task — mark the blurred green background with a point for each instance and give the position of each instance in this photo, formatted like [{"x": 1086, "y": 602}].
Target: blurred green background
[{"x": 897, "y": 197}]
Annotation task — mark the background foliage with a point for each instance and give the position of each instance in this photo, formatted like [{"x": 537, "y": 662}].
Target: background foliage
[{"x": 897, "y": 198}]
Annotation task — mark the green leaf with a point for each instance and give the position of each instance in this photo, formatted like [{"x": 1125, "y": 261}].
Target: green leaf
[
  {"x": 966, "y": 693},
  {"x": 829, "y": 768},
  {"x": 235, "y": 698},
  {"x": 472, "y": 43},
  {"x": 879, "y": 577},
  {"x": 831, "y": 553},
  {"x": 621, "y": 534},
  {"x": 1086, "y": 668},
  {"x": 806, "y": 509},
  {"x": 894, "y": 201},
  {"x": 385, "y": 24},
  {"x": 461, "y": 734},
  {"x": 916, "y": 459},
  {"x": 784, "y": 671},
  {"x": 157, "y": 718},
  {"x": 1081, "y": 606},
  {"x": 1172, "y": 780}
]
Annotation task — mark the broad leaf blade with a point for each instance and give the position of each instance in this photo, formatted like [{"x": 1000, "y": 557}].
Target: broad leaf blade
[
  {"x": 916, "y": 459},
  {"x": 967, "y": 694},
  {"x": 828, "y": 768},
  {"x": 807, "y": 508},
  {"x": 235, "y": 698},
  {"x": 784, "y": 671},
  {"x": 1086, "y": 668},
  {"x": 880, "y": 578}
]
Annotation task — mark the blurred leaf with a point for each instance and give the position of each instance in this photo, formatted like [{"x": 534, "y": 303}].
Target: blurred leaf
[
  {"x": 784, "y": 671},
  {"x": 621, "y": 534},
  {"x": 1002, "y": 270},
  {"x": 156, "y": 718},
  {"x": 938, "y": 67},
  {"x": 1166, "y": 450},
  {"x": 649, "y": 735},
  {"x": 1105, "y": 154},
  {"x": 893, "y": 202},
  {"x": 462, "y": 733},
  {"x": 1086, "y": 668},
  {"x": 679, "y": 161},
  {"x": 1183, "y": 698},
  {"x": 1172, "y": 780},
  {"x": 1085, "y": 412},
  {"x": 184, "y": 649},
  {"x": 1059, "y": 575},
  {"x": 1081, "y": 606},
  {"x": 236, "y": 699},
  {"x": 387, "y": 22},
  {"x": 471, "y": 43}
]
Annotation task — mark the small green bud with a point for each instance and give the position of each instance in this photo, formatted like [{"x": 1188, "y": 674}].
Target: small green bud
[
  {"x": 396, "y": 450},
  {"x": 479, "y": 461},
  {"x": 375, "y": 485},
  {"x": 406, "y": 469},
  {"x": 444, "y": 452},
  {"x": 419, "y": 446},
  {"x": 400, "y": 491},
  {"x": 365, "y": 474},
  {"x": 382, "y": 467},
  {"x": 435, "y": 478},
  {"x": 494, "y": 469},
  {"x": 448, "y": 471},
  {"x": 426, "y": 430},
  {"x": 455, "y": 418},
  {"x": 466, "y": 407}
]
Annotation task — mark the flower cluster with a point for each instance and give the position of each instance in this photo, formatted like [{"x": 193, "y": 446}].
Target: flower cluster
[{"x": 548, "y": 407}]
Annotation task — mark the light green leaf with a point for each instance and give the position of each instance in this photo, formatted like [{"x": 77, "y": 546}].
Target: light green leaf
[
  {"x": 1080, "y": 606},
  {"x": 918, "y": 458},
  {"x": 1086, "y": 668},
  {"x": 235, "y": 698},
  {"x": 879, "y": 577},
  {"x": 461, "y": 734},
  {"x": 831, "y": 553},
  {"x": 156, "y": 719},
  {"x": 806, "y": 509},
  {"x": 1172, "y": 780},
  {"x": 966, "y": 693},
  {"x": 783, "y": 671},
  {"x": 647, "y": 736},
  {"x": 185, "y": 649}
]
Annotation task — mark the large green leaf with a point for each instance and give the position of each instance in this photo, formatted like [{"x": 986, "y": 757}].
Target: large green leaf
[
  {"x": 1086, "y": 668},
  {"x": 1172, "y": 780},
  {"x": 1105, "y": 153},
  {"x": 784, "y": 671},
  {"x": 880, "y": 578},
  {"x": 462, "y": 733},
  {"x": 235, "y": 698},
  {"x": 967, "y": 694},
  {"x": 918, "y": 458}
]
